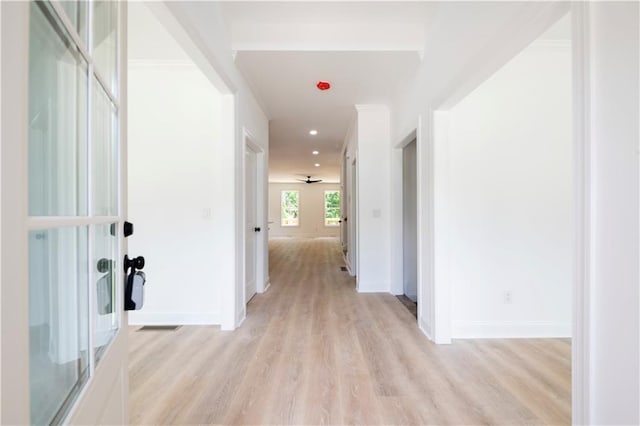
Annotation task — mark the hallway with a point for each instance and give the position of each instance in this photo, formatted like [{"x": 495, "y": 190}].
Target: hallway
[{"x": 314, "y": 351}]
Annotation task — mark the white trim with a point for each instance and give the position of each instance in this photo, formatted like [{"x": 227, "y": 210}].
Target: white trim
[
  {"x": 425, "y": 328},
  {"x": 229, "y": 287},
  {"x": 145, "y": 317},
  {"x": 249, "y": 145},
  {"x": 38, "y": 223},
  {"x": 423, "y": 205},
  {"x": 14, "y": 272},
  {"x": 441, "y": 288},
  {"x": 580, "y": 347},
  {"x": 397, "y": 210},
  {"x": 311, "y": 235},
  {"x": 162, "y": 63},
  {"x": 373, "y": 286},
  {"x": 509, "y": 329}
]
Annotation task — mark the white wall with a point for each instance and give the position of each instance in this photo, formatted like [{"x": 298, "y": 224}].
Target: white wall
[
  {"x": 311, "y": 212},
  {"x": 510, "y": 200},
  {"x": 465, "y": 44},
  {"x": 174, "y": 133},
  {"x": 613, "y": 318},
  {"x": 369, "y": 143},
  {"x": 242, "y": 115}
]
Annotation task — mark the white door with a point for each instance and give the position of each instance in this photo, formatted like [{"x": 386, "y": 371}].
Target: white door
[
  {"x": 410, "y": 222},
  {"x": 344, "y": 217},
  {"x": 353, "y": 221},
  {"x": 250, "y": 223},
  {"x": 69, "y": 344}
]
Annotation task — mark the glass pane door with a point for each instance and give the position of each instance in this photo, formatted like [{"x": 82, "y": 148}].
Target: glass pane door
[{"x": 74, "y": 215}]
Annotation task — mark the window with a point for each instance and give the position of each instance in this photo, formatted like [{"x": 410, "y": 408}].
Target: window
[
  {"x": 331, "y": 208},
  {"x": 290, "y": 208}
]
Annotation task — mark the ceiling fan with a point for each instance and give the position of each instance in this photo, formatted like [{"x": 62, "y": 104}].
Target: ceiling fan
[{"x": 309, "y": 180}]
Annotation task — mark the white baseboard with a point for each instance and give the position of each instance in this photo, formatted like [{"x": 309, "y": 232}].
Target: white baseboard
[
  {"x": 302, "y": 235},
  {"x": 244, "y": 317},
  {"x": 425, "y": 328},
  {"x": 373, "y": 287},
  {"x": 173, "y": 318},
  {"x": 266, "y": 286},
  {"x": 509, "y": 329}
]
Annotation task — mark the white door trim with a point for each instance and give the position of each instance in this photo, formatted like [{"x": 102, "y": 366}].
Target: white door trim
[
  {"x": 397, "y": 211},
  {"x": 249, "y": 144},
  {"x": 580, "y": 359},
  {"x": 13, "y": 153}
]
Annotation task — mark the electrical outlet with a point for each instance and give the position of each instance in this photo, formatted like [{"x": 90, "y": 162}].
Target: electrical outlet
[{"x": 507, "y": 297}]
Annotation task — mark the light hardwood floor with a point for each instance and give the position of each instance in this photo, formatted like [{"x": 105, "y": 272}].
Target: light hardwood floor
[{"x": 313, "y": 351}]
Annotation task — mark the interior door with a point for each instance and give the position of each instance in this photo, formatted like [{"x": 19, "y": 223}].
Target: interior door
[
  {"x": 410, "y": 222},
  {"x": 344, "y": 218},
  {"x": 250, "y": 224},
  {"x": 77, "y": 351},
  {"x": 353, "y": 224}
]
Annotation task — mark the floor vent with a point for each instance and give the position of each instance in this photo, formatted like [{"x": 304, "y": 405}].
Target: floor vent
[
  {"x": 159, "y": 328},
  {"x": 343, "y": 268}
]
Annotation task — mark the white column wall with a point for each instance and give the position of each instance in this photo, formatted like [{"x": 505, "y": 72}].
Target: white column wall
[
  {"x": 374, "y": 199},
  {"x": 613, "y": 318}
]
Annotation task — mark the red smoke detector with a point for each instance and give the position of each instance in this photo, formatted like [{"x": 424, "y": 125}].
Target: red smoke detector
[{"x": 323, "y": 85}]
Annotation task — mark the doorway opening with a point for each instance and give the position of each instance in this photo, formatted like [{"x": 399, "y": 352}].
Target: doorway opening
[{"x": 409, "y": 298}]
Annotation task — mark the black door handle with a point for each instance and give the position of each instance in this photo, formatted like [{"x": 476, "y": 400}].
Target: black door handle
[
  {"x": 256, "y": 229},
  {"x": 137, "y": 263}
]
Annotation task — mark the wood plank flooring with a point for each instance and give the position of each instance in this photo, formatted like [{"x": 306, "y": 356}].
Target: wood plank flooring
[{"x": 313, "y": 351}]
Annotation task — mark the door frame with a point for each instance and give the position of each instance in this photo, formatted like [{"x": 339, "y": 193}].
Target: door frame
[
  {"x": 249, "y": 144},
  {"x": 397, "y": 209},
  {"x": 353, "y": 214}
]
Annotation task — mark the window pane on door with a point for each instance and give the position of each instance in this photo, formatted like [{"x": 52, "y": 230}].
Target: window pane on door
[
  {"x": 105, "y": 41},
  {"x": 104, "y": 153},
  {"x": 104, "y": 278},
  {"x": 57, "y": 119},
  {"x": 76, "y": 11},
  {"x": 58, "y": 331}
]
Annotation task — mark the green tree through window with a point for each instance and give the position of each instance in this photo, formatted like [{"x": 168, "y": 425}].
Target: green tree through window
[
  {"x": 331, "y": 208},
  {"x": 289, "y": 208}
]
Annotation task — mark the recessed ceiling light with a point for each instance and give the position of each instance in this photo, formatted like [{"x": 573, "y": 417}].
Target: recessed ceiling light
[
  {"x": 313, "y": 132},
  {"x": 315, "y": 153},
  {"x": 317, "y": 165}
]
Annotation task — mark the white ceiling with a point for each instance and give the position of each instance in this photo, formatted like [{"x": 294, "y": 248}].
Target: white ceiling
[
  {"x": 364, "y": 49},
  {"x": 285, "y": 82}
]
